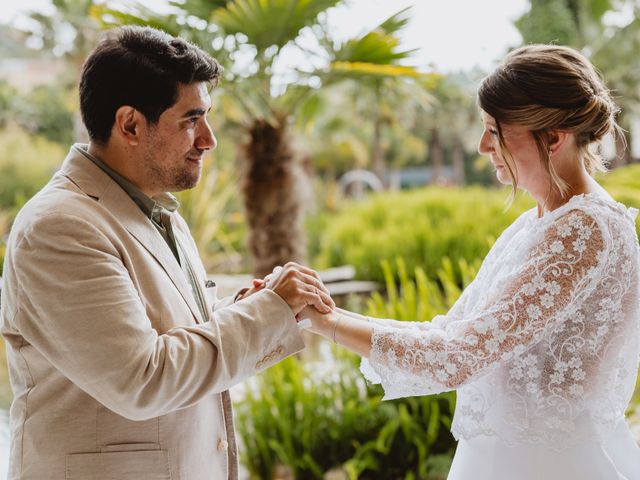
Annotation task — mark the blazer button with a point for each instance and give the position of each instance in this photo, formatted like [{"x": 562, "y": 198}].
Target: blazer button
[{"x": 223, "y": 445}]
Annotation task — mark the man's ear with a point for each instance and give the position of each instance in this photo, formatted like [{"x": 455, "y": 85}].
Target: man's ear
[
  {"x": 557, "y": 139},
  {"x": 127, "y": 125}
]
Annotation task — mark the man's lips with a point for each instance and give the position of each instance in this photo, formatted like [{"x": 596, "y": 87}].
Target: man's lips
[{"x": 195, "y": 158}]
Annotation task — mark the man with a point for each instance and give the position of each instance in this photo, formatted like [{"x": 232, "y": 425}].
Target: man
[{"x": 120, "y": 355}]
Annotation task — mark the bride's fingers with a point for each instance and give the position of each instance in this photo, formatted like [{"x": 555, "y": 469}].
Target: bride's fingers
[
  {"x": 313, "y": 281},
  {"x": 323, "y": 294},
  {"x": 319, "y": 300}
]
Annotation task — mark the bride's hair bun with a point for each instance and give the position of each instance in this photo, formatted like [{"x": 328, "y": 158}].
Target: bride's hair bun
[{"x": 551, "y": 87}]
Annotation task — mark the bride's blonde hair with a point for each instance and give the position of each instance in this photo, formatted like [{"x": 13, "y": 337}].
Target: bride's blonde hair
[{"x": 550, "y": 87}]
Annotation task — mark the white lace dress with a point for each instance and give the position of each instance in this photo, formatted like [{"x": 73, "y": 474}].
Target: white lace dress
[{"x": 542, "y": 348}]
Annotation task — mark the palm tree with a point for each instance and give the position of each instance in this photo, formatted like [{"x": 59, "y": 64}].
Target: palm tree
[{"x": 252, "y": 38}]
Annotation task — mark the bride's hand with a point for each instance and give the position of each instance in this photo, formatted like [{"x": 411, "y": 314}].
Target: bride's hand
[{"x": 321, "y": 323}]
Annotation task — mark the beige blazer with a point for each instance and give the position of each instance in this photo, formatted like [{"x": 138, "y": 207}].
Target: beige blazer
[{"x": 115, "y": 374}]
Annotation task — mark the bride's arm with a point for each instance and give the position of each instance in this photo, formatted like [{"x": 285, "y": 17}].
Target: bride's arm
[
  {"x": 529, "y": 302},
  {"x": 349, "y": 329}
]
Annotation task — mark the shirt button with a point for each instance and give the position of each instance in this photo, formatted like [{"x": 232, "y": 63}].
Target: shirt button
[{"x": 223, "y": 445}]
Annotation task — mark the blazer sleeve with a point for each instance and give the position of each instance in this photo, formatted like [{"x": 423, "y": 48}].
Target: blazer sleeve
[{"x": 79, "y": 308}]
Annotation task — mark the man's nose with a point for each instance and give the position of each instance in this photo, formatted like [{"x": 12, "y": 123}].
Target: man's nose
[{"x": 206, "y": 140}]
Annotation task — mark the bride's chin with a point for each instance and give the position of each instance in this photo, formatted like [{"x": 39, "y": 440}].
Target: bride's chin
[{"x": 503, "y": 178}]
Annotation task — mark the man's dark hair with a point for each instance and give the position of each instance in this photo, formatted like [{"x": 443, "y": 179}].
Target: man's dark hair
[{"x": 140, "y": 67}]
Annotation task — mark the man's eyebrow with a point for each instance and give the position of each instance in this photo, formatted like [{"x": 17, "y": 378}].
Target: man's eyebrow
[{"x": 195, "y": 112}]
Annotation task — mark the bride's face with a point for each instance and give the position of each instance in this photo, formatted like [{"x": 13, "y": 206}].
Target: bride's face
[{"x": 525, "y": 156}]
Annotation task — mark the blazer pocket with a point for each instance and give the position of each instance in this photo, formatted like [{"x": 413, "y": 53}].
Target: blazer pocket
[
  {"x": 129, "y": 447},
  {"x": 121, "y": 465}
]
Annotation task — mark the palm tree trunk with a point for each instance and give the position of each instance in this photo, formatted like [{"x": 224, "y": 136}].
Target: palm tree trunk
[
  {"x": 436, "y": 156},
  {"x": 377, "y": 154},
  {"x": 457, "y": 159},
  {"x": 272, "y": 198}
]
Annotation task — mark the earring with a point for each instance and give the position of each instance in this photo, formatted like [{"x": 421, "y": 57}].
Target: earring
[{"x": 550, "y": 152}]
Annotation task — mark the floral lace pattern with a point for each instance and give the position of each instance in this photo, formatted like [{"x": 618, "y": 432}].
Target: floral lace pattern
[{"x": 543, "y": 345}]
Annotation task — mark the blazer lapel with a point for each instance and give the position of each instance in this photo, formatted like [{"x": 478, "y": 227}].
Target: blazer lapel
[{"x": 96, "y": 183}]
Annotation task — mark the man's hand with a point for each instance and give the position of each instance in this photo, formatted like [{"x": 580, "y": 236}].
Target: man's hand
[
  {"x": 299, "y": 286},
  {"x": 257, "y": 284}
]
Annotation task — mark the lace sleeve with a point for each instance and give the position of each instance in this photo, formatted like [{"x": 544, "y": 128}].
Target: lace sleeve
[{"x": 535, "y": 295}]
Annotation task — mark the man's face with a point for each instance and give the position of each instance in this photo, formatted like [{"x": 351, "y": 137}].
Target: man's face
[{"x": 173, "y": 149}]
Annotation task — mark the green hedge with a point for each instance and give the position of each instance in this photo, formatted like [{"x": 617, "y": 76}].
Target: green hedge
[
  {"x": 26, "y": 165},
  {"x": 420, "y": 226},
  {"x": 427, "y": 225}
]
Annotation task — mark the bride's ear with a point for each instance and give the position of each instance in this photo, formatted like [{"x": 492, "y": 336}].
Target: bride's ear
[{"x": 557, "y": 139}]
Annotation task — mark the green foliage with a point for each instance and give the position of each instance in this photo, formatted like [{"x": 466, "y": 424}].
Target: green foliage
[
  {"x": 45, "y": 111},
  {"x": 26, "y": 164},
  {"x": 421, "y": 226},
  {"x": 423, "y": 298},
  {"x": 624, "y": 185},
  {"x": 7, "y": 98},
  {"x": 548, "y": 21},
  {"x": 621, "y": 179},
  {"x": 321, "y": 416},
  {"x": 272, "y": 23}
]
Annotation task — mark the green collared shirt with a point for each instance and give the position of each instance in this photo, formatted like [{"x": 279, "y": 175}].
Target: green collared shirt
[{"x": 158, "y": 209}]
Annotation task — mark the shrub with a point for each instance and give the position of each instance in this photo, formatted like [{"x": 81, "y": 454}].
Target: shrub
[
  {"x": 26, "y": 164},
  {"x": 420, "y": 226}
]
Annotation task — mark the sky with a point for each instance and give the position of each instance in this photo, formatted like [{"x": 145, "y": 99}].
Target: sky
[{"x": 451, "y": 35}]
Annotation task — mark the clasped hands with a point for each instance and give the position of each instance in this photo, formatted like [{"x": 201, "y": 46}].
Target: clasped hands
[{"x": 301, "y": 288}]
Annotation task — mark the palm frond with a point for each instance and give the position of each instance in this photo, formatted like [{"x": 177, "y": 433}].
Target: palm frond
[
  {"x": 395, "y": 22},
  {"x": 109, "y": 17},
  {"x": 199, "y": 8},
  {"x": 268, "y": 23},
  {"x": 374, "y": 47}
]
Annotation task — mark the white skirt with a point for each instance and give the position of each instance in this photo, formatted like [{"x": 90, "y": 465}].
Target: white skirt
[{"x": 488, "y": 458}]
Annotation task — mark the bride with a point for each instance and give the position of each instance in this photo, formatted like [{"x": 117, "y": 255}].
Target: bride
[{"x": 542, "y": 347}]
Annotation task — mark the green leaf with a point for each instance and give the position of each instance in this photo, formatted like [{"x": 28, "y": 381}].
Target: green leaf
[
  {"x": 374, "y": 47},
  {"x": 396, "y": 22},
  {"x": 268, "y": 23},
  {"x": 199, "y": 8}
]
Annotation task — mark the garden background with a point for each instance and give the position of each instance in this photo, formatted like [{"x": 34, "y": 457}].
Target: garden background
[{"x": 357, "y": 156}]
